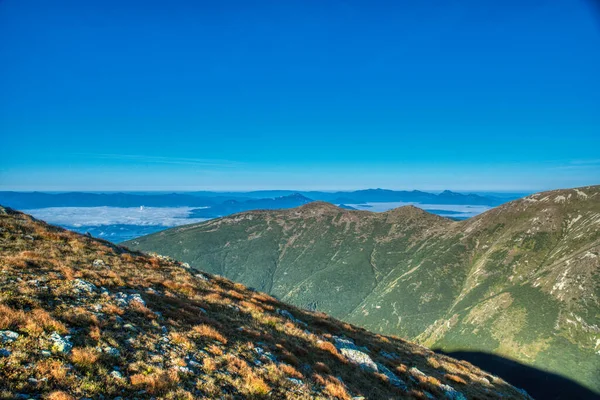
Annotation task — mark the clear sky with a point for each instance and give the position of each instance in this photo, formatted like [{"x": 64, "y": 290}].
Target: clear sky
[{"x": 324, "y": 94}]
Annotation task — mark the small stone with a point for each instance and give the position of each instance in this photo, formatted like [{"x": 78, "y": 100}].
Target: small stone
[
  {"x": 394, "y": 380},
  {"x": 450, "y": 393},
  {"x": 60, "y": 344},
  {"x": 116, "y": 375},
  {"x": 80, "y": 285},
  {"x": 45, "y": 353},
  {"x": 5, "y": 353},
  {"x": 8, "y": 336},
  {"x": 389, "y": 356},
  {"x": 125, "y": 300},
  {"x": 355, "y": 354},
  {"x": 99, "y": 263},
  {"x": 296, "y": 381},
  {"x": 111, "y": 351}
]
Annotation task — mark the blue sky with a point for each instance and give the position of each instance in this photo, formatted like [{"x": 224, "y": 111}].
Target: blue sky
[{"x": 190, "y": 95}]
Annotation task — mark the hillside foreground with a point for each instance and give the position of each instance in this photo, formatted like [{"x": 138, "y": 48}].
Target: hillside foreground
[{"x": 82, "y": 318}]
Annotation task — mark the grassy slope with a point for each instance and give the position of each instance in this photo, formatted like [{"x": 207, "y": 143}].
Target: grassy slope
[
  {"x": 521, "y": 280},
  {"x": 191, "y": 336}
]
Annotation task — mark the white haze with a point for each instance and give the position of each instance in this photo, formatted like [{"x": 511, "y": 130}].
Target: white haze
[{"x": 101, "y": 216}]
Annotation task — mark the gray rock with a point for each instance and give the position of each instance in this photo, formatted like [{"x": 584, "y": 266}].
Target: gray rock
[
  {"x": 124, "y": 300},
  {"x": 60, "y": 344},
  {"x": 288, "y": 315},
  {"x": 79, "y": 286},
  {"x": 296, "y": 381},
  {"x": 5, "y": 353},
  {"x": 389, "y": 356},
  {"x": 451, "y": 393},
  {"x": 8, "y": 336},
  {"x": 111, "y": 351},
  {"x": 98, "y": 263},
  {"x": 354, "y": 355},
  {"x": 116, "y": 375},
  {"x": 394, "y": 380},
  {"x": 185, "y": 370}
]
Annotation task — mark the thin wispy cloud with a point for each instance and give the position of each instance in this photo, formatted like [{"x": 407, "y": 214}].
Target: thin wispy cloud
[
  {"x": 579, "y": 164},
  {"x": 146, "y": 159}
]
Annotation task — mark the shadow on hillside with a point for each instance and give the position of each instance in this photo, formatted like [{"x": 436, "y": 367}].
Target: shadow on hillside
[{"x": 538, "y": 383}]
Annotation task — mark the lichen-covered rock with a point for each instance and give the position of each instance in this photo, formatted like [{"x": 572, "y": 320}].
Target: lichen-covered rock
[
  {"x": 354, "y": 355},
  {"x": 60, "y": 344},
  {"x": 79, "y": 286},
  {"x": 8, "y": 336},
  {"x": 98, "y": 263},
  {"x": 125, "y": 300}
]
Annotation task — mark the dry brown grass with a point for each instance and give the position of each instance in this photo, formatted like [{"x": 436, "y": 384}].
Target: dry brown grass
[
  {"x": 112, "y": 309},
  {"x": 322, "y": 368},
  {"x": 330, "y": 348},
  {"x": 209, "y": 365},
  {"x": 255, "y": 385},
  {"x": 207, "y": 331},
  {"x": 95, "y": 333},
  {"x": 52, "y": 370},
  {"x": 59, "y": 395},
  {"x": 455, "y": 378},
  {"x": 181, "y": 340},
  {"x": 79, "y": 316},
  {"x": 34, "y": 322},
  {"x": 290, "y": 371},
  {"x": 157, "y": 382},
  {"x": 335, "y": 389},
  {"x": 84, "y": 357}
]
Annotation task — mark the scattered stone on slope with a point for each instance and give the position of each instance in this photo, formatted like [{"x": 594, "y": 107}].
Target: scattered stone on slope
[
  {"x": 394, "y": 380},
  {"x": 125, "y": 300},
  {"x": 451, "y": 394},
  {"x": 8, "y": 336},
  {"x": 60, "y": 344},
  {"x": 354, "y": 355},
  {"x": 79, "y": 286},
  {"x": 288, "y": 315}
]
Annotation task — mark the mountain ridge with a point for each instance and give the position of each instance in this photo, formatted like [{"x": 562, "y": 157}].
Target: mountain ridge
[
  {"x": 84, "y": 318},
  {"x": 520, "y": 280}
]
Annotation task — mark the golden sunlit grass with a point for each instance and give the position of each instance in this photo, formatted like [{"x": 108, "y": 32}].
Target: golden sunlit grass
[
  {"x": 34, "y": 322},
  {"x": 53, "y": 370},
  {"x": 335, "y": 389},
  {"x": 208, "y": 332},
  {"x": 84, "y": 357},
  {"x": 157, "y": 382},
  {"x": 455, "y": 378},
  {"x": 59, "y": 395}
]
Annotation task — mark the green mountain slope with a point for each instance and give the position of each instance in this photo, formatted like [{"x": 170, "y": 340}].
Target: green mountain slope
[
  {"x": 82, "y": 318},
  {"x": 521, "y": 280}
]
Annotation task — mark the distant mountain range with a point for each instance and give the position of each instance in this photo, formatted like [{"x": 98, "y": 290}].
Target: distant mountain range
[
  {"x": 235, "y": 200},
  {"x": 234, "y": 206},
  {"x": 521, "y": 280}
]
